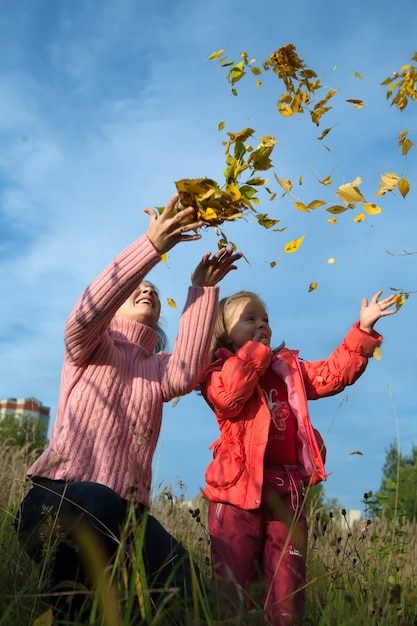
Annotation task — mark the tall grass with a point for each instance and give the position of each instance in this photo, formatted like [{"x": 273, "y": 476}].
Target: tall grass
[{"x": 364, "y": 575}]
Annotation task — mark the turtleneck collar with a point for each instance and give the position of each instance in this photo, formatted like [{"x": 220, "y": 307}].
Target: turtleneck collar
[{"x": 134, "y": 332}]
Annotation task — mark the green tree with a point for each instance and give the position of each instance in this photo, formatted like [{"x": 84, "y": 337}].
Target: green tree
[
  {"x": 398, "y": 492},
  {"x": 23, "y": 431}
]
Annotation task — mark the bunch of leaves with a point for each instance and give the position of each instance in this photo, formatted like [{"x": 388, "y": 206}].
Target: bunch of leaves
[
  {"x": 215, "y": 203},
  {"x": 402, "y": 85},
  {"x": 301, "y": 82}
]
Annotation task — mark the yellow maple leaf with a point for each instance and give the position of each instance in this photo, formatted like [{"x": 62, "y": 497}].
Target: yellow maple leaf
[
  {"x": 164, "y": 257},
  {"x": 331, "y": 260},
  {"x": 221, "y": 125},
  {"x": 292, "y": 246},
  {"x": 371, "y": 208},
  {"x": 172, "y": 303},
  {"x": 332, "y": 220},
  {"x": 312, "y": 286}
]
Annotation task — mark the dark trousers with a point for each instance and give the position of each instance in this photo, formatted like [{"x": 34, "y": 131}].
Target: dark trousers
[{"x": 70, "y": 517}]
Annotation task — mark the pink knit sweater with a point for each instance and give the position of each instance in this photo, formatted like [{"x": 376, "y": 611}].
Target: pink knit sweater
[{"x": 113, "y": 386}]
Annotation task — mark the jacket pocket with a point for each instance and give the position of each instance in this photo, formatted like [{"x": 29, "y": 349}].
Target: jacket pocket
[{"x": 227, "y": 465}]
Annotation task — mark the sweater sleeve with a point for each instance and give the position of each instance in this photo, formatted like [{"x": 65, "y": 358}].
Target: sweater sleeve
[
  {"x": 343, "y": 367},
  {"x": 97, "y": 305},
  {"x": 183, "y": 368},
  {"x": 228, "y": 389}
]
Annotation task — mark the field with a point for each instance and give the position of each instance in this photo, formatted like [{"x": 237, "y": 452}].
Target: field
[{"x": 360, "y": 576}]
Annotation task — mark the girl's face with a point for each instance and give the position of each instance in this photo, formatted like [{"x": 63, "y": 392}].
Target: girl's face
[
  {"x": 247, "y": 321},
  {"x": 142, "y": 306}
]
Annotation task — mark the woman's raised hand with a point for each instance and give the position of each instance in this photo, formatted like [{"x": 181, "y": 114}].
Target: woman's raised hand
[
  {"x": 212, "y": 269},
  {"x": 167, "y": 229}
]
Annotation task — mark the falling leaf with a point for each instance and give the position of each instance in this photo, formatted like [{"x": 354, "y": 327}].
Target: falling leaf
[
  {"x": 175, "y": 401},
  {"x": 326, "y": 180},
  {"x": 272, "y": 264},
  {"x": 387, "y": 183},
  {"x": 357, "y": 75},
  {"x": 356, "y": 452},
  {"x": 215, "y": 55},
  {"x": 221, "y": 125},
  {"x": 399, "y": 300},
  {"x": 349, "y": 192},
  {"x": 403, "y": 186},
  {"x": 377, "y": 354},
  {"x": 358, "y": 104},
  {"x": 337, "y": 208},
  {"x": 324, "y": 133},
  {"x": 164, "y": 257},
  {"x": 172, "y": 303},
  {"x": 371, "y": 208},
  {"x": 266, "y": 221},
  {"x": 285, "y": 184},
  {"x": 359, "y": 217},
  {"x": 313, "y": 286},
  {"x": 301, "y": 207},
  {"x": 315, "y": 204},
  {"x": 331, "y": 260},
  {"x": 332, "y": 220},
  {"x": 292, "y": 246}
]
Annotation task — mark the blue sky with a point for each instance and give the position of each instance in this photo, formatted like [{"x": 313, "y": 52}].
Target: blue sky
[{"x": 105, "y": 105}]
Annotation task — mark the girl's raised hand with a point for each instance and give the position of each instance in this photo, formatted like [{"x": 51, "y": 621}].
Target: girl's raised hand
[
  {"x": 212, "y": 269},
  {"x": 167, "y": 229},
  {"x": 372, "y": 311}
]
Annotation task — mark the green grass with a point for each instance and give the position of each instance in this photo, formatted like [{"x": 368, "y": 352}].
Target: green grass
[{"x": 360, "y": 576}]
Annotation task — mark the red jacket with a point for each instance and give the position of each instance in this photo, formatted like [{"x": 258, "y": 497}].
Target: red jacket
[{"x": 231, "y": 387}]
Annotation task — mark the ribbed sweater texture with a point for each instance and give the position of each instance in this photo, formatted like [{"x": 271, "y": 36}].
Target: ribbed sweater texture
[{"x": 113, "y": 385}]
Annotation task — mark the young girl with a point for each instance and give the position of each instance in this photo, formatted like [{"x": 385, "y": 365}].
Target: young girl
[
  {"x": 268, "y": 451},
  {"x": 109, "y": 414}
]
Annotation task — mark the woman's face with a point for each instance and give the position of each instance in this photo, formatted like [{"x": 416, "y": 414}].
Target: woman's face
[
  {"x": 143, "y": 306},
  {"x": 248, "y": 321}
]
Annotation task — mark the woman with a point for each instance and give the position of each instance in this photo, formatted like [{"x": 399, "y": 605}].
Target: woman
[{"x": 109, "y": 413}]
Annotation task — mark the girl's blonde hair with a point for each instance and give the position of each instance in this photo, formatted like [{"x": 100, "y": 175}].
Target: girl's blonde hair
[{"x": 227, "y": 307}]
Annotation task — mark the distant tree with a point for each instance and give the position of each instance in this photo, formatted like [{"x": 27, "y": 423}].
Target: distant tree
[
  {"x": 398, "y": 492},
  {"x": 17, "y": 430}
]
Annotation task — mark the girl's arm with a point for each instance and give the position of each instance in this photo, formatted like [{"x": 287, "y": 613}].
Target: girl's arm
[
  {"x": 228, "y": 389},
  {"x": 343, "y": 367},
  {"x": 349, "y": 360}
]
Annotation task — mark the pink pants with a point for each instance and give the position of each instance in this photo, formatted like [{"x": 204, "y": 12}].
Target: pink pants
[{"x": 266, "y": 545}]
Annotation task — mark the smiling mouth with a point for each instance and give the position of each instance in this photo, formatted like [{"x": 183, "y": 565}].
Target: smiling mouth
[{"x": 144, "y": 301}]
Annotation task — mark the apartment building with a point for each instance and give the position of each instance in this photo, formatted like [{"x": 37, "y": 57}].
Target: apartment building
[{"x": 27, "y": 407}]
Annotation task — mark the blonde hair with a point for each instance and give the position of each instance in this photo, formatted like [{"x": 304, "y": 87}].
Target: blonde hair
[{"x": 227, "y": 307}]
